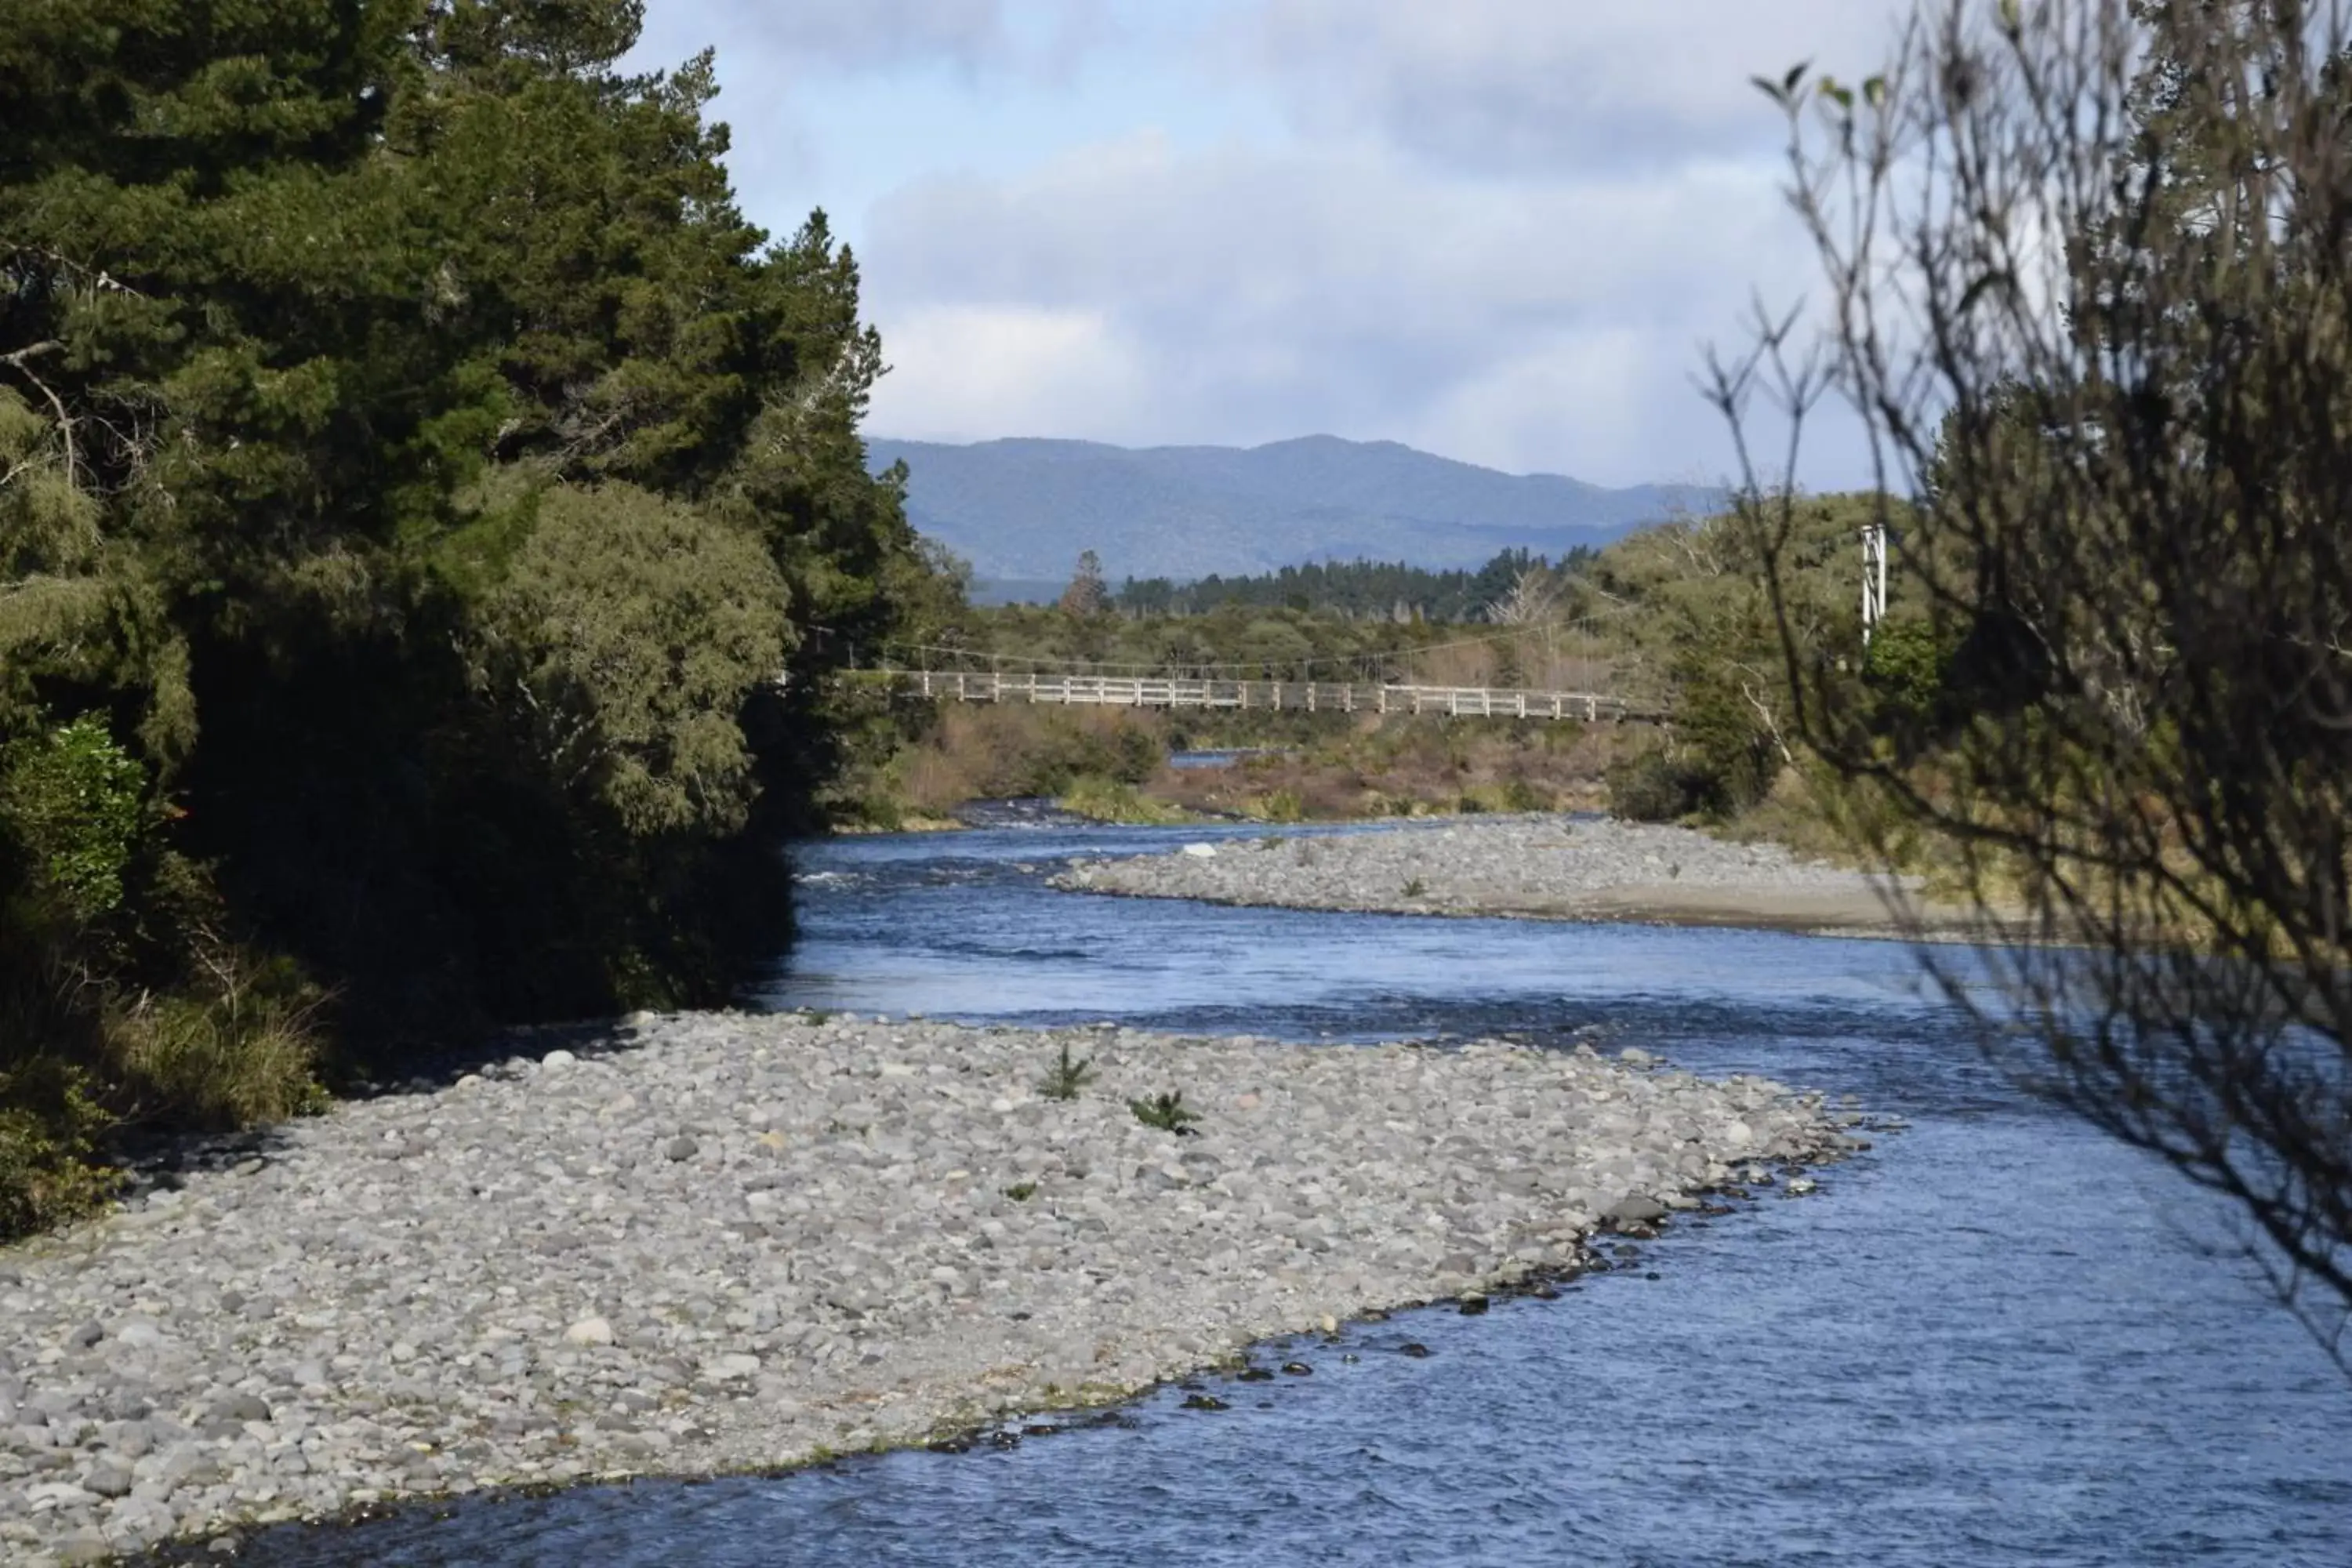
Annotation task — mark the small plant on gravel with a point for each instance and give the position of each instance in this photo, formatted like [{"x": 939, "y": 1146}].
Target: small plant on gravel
[
  {"x": 1166, "y": 1112},
  {"x": 1021, "y": 1192},
  {"x": 1415, "y": 888},
  {"x": 1066, "y": 1077}
]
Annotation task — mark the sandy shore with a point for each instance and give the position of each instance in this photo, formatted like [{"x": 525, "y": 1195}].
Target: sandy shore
[
  {"x": 724, "y": 1242},
  {"x": 1544, "y": 867}
]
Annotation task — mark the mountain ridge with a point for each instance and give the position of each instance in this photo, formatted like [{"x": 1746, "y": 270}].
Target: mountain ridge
[{"x": 1023, "y": 507}]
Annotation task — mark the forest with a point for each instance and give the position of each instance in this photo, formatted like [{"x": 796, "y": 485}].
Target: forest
[
  {"x": 428, "y": 509},
  {"x": 1360, "y": 590}
]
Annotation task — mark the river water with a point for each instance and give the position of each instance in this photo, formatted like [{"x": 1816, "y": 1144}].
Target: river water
[{"x": 1995, "y": 1339}]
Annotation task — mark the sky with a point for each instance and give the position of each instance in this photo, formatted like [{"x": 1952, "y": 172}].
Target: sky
[{"x": 1506, "y": 231}]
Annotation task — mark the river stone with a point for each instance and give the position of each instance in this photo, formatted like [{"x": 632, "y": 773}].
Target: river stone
[
  {"x": 241, "y": 1407},
  {"x": 1634, "y": 1209},
  {"x": 139, "y": 1334},
  {"x": 1533, "y": 865},
  {"x": 82, "y": 1546},
  {"x": 107, "y": 1480},
  {"x": 345, "y": 1327}
]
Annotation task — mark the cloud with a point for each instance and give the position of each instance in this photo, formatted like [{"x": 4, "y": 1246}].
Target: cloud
[
  {"x": 1136, "y": 293},
  {"x": 958, "y": 369},
  {"x": 1043, "y": 38},
  {"x": 1539, "y": 85},
  {"x": 871, "y": 34}
]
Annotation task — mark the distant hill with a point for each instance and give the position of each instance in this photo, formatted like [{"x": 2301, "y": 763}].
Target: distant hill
[{"x": 1024, "y": 509}]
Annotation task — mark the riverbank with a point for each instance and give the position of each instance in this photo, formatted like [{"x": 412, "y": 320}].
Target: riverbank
[
  {"x": 724, "y": 1242},
  {"x": 1539, "y": 867},
  {"x": 1122, "y": 765}
]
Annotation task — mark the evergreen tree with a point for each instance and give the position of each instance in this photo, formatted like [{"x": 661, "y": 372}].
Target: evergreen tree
[{"x": 422, "y": 483}]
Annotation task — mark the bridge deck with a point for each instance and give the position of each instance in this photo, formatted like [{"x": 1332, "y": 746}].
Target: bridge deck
[{"x": 1296, "y": 696}]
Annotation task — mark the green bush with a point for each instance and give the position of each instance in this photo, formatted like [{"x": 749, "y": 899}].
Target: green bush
[
  {"x": 1108, "y": 799},
  {"x": 71, "y": 797},
  {"x": 1067, "y": 1077},
  {"x": 49, "y": 1129},
  {"x": 1276, "y": 805},
  {"x": 1167, "y": 1112},
  {"x": 1908, "y": 672},
  {"x": 1521, "y": 795},
  {"x": 245, "y": 1053},
  {"x": 1654, "y": 786}
]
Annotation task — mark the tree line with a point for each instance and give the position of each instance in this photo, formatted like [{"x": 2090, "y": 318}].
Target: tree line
[
  {"x": 428, "y": 509},
  {"x": 1360, "y": 590}
]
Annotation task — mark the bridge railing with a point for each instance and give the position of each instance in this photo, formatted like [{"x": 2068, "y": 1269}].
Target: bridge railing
[{"x": 1296, "y": 696}]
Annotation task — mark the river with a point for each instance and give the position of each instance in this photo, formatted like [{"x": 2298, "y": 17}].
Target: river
[{"x": 1995, "y": 1339}]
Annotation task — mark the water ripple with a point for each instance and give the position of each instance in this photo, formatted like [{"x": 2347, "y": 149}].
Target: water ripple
[{"x": 1997, "y": 1339}]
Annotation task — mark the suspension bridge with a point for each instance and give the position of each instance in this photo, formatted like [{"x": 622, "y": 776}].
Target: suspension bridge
[{"x": 1276, "y": 695}]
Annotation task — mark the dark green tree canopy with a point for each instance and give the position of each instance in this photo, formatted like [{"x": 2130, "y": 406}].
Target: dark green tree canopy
[{"x": 435, "y": 489}]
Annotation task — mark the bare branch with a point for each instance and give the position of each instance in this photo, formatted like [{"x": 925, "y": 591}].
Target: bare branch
[{"x": 2089, "y": 298}]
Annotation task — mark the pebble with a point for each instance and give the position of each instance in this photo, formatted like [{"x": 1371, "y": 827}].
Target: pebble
[
  {"x": 589, "y": 1332},
  {"x": 724, "y": 1242},
  {"x": 1508, "y": 865},
  {"x": 1634, "y": 1209}
]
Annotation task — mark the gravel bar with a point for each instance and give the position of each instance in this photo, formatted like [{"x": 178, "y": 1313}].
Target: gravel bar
[
  {"x": 724, "y": 1242},
  {"x": 1547, "y": 866}
]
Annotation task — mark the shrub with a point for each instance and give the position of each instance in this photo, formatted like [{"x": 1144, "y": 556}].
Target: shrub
[
  {"x": 245, "y": 1053},
  {"x": 1108, "y": 799},
  {"x": 1520, "y": 794},
  {"x": 1655, "y": 787},
  {"x": 71, "y": 797},
  {"x": 1908, "y": 672},
  {"x": 1067, "y": 1077},
  {"x": 1166, "y": 1112},
  {"x": 1276, "y": 805},
  {"x": 50, "y": 1126}
]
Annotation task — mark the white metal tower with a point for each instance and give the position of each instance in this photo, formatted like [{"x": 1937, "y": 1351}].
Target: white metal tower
[{"x": 1873, "y": 579}]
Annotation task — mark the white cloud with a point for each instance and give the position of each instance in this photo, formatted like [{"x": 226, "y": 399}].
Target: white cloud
[
  {"x": 1138, "y": 294},
  {"x": 1541, "y": 84},
  {"x": 868, "y": 34},
  {"x": 1033, "y": 37},
  {"x": 961, "y": 369},
  {"x": 1501, "y": 229}
]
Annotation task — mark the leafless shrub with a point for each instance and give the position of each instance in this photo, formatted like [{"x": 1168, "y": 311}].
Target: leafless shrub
[{"x": 2090, "y": 296}]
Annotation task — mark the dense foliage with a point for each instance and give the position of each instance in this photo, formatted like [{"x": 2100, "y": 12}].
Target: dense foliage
[
  {"x": 1362, "y": 590},
  {"x": 426, "y": 507},
  {"x": 1231, "y": 643},
  {"x": 1694, "y": 615}
]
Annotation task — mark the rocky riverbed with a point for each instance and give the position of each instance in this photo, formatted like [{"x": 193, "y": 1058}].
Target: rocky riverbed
[
  {"x": 1549, "y": 867},
  {"x": 728, "y": 1241}
]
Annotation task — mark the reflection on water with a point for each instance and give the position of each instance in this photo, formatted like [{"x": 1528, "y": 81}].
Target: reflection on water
[{"x": 1997, "y": 1339}]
